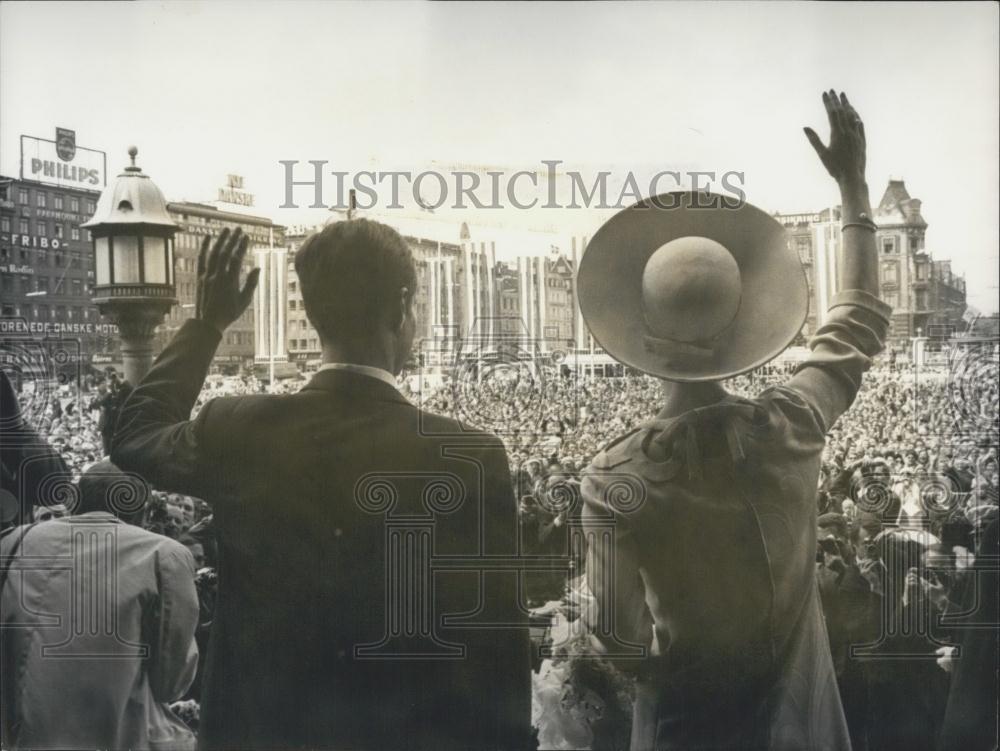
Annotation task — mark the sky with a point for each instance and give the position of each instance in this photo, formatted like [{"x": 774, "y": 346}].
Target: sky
[{"x": 205, "y": 89}]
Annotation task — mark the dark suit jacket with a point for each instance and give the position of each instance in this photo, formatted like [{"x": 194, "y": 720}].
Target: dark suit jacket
[
  {"x": 331, "y": 505},
  {"x": 28, "y": 464}
]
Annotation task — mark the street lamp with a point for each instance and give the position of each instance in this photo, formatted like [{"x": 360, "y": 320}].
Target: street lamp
[{"x": 133, "y": 237}]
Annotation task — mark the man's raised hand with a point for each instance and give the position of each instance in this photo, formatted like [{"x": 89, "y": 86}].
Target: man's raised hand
[
  {"x": 220, "y": 301},
  {"x": 844, "y": 158}
]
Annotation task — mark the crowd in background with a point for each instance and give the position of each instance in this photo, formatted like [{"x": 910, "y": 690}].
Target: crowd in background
[{"x": 908, "y": 484}]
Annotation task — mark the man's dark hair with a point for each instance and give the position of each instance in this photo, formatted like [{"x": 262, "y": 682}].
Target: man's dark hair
[
  {"x": 104, "y": 487},
  {"x": 350, "y": 273}
]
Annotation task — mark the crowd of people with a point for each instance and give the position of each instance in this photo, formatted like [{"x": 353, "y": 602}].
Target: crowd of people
[{"x": 909, "y": 482}]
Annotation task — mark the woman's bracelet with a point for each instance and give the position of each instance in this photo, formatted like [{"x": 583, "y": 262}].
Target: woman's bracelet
[{"x": 863, "y": 223}]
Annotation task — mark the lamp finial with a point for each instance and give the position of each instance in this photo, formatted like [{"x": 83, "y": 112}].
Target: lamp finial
[{"x": 133, "y": 151}]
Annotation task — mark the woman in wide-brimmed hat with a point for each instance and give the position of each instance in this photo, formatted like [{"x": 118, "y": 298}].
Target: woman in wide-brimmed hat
[{"x": 704, "y": 518}]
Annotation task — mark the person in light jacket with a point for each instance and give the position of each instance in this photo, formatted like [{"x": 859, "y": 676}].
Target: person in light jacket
[
  {"x": 703, "y": 520},
  {"x": 97, "y": 623}
]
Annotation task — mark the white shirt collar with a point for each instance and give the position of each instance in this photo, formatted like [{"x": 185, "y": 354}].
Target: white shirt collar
[{"x": 383, "y": 375}]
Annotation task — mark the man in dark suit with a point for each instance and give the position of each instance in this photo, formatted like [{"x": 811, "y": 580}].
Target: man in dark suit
[
  {"x": 27, "y": 462},
  {"x": 332, "y": 504}
]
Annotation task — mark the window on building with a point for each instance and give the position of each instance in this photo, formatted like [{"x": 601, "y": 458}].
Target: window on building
[
  {"x": 804, "y": 247},
  {"x": 7, "y": 284},
  {"x": 5, "y": 224},
  {"x": 90, "y": 207},
  {"x": 41, "y": 284},
  {"x": 58, "y": 229},
  {"x": 22, "y": 195},
  {"x": 890, "y": 273},
  {"x": 57, "y": 202},
  {"x": 41, "y": 227},
  {"x": 888, "y": 244},
  {"x": 22, "y": 226},
  {"x": 60, "y": 312},
  {"x": 74, "y": 204},
  {"x": 7, "y": 310},
  {"x": 921, "y": 271},
  {"x": 41, "y": 199},
  {"x": 74, "y": 233},
  {"x": 77, "y": 287}
]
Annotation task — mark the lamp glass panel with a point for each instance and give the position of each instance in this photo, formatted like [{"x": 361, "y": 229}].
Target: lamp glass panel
[
  {"x": 103, "y": 261},
  {"x": 126, "y": 259},
  {"x": 154, "y": 252}
]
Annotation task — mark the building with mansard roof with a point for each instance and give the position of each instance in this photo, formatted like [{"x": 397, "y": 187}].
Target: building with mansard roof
[{"x": 928, "y": 298}]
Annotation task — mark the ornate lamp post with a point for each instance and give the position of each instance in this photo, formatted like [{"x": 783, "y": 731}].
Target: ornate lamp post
[{"x": 133, "y": 238}]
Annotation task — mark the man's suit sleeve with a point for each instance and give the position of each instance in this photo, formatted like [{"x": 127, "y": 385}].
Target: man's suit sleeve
[
  {"x": 512, "y": 666},
  {"x": 506, "y": 722},
  {"x": 155, "y": 436},
  {"x": 174, "y": 660}
]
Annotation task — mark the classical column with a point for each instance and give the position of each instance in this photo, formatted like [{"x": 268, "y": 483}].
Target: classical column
[
  {"x": 476, "y": 325},
  {"x": 467, "y": 278},
  {"x": 281, "y": 288},
  {"x": 477, "y": 293},
  {"x": 272, "y": 317},
  {"x": 542, "y": 312},
  {"x": 433, "y": 303},
  {"x": 481, "y": 271},
  {"x": 260, "y": 338},
  {"x": 137, "y": 326},
  {"x": 491, "y": 290},
  {"x": 575, "y": 301},
  {"x": 522, "y": 292},
  {"x": 449, "y": 267}
]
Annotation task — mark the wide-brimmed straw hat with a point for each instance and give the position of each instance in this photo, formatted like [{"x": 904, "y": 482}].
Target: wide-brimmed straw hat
[{"x": 688, "y": 293}]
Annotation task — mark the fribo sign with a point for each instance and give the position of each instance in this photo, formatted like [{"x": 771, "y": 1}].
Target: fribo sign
[{"x": 61, "y": 162}]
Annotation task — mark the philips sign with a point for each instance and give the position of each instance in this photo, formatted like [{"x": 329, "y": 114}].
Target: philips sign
[{"x": 61, "y": 162}]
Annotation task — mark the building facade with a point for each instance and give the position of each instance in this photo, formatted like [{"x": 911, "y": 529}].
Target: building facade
[
  {"x": 47, "y": 271},
  {"x": 466, "y": 303},
  {"x": 469, "y": 303},
  {"x": 545, "y": 301},
  {"x": 303, "y": 347},
  {"x": 927, "y": 297},
  {"x": 196, "y": 221}
]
